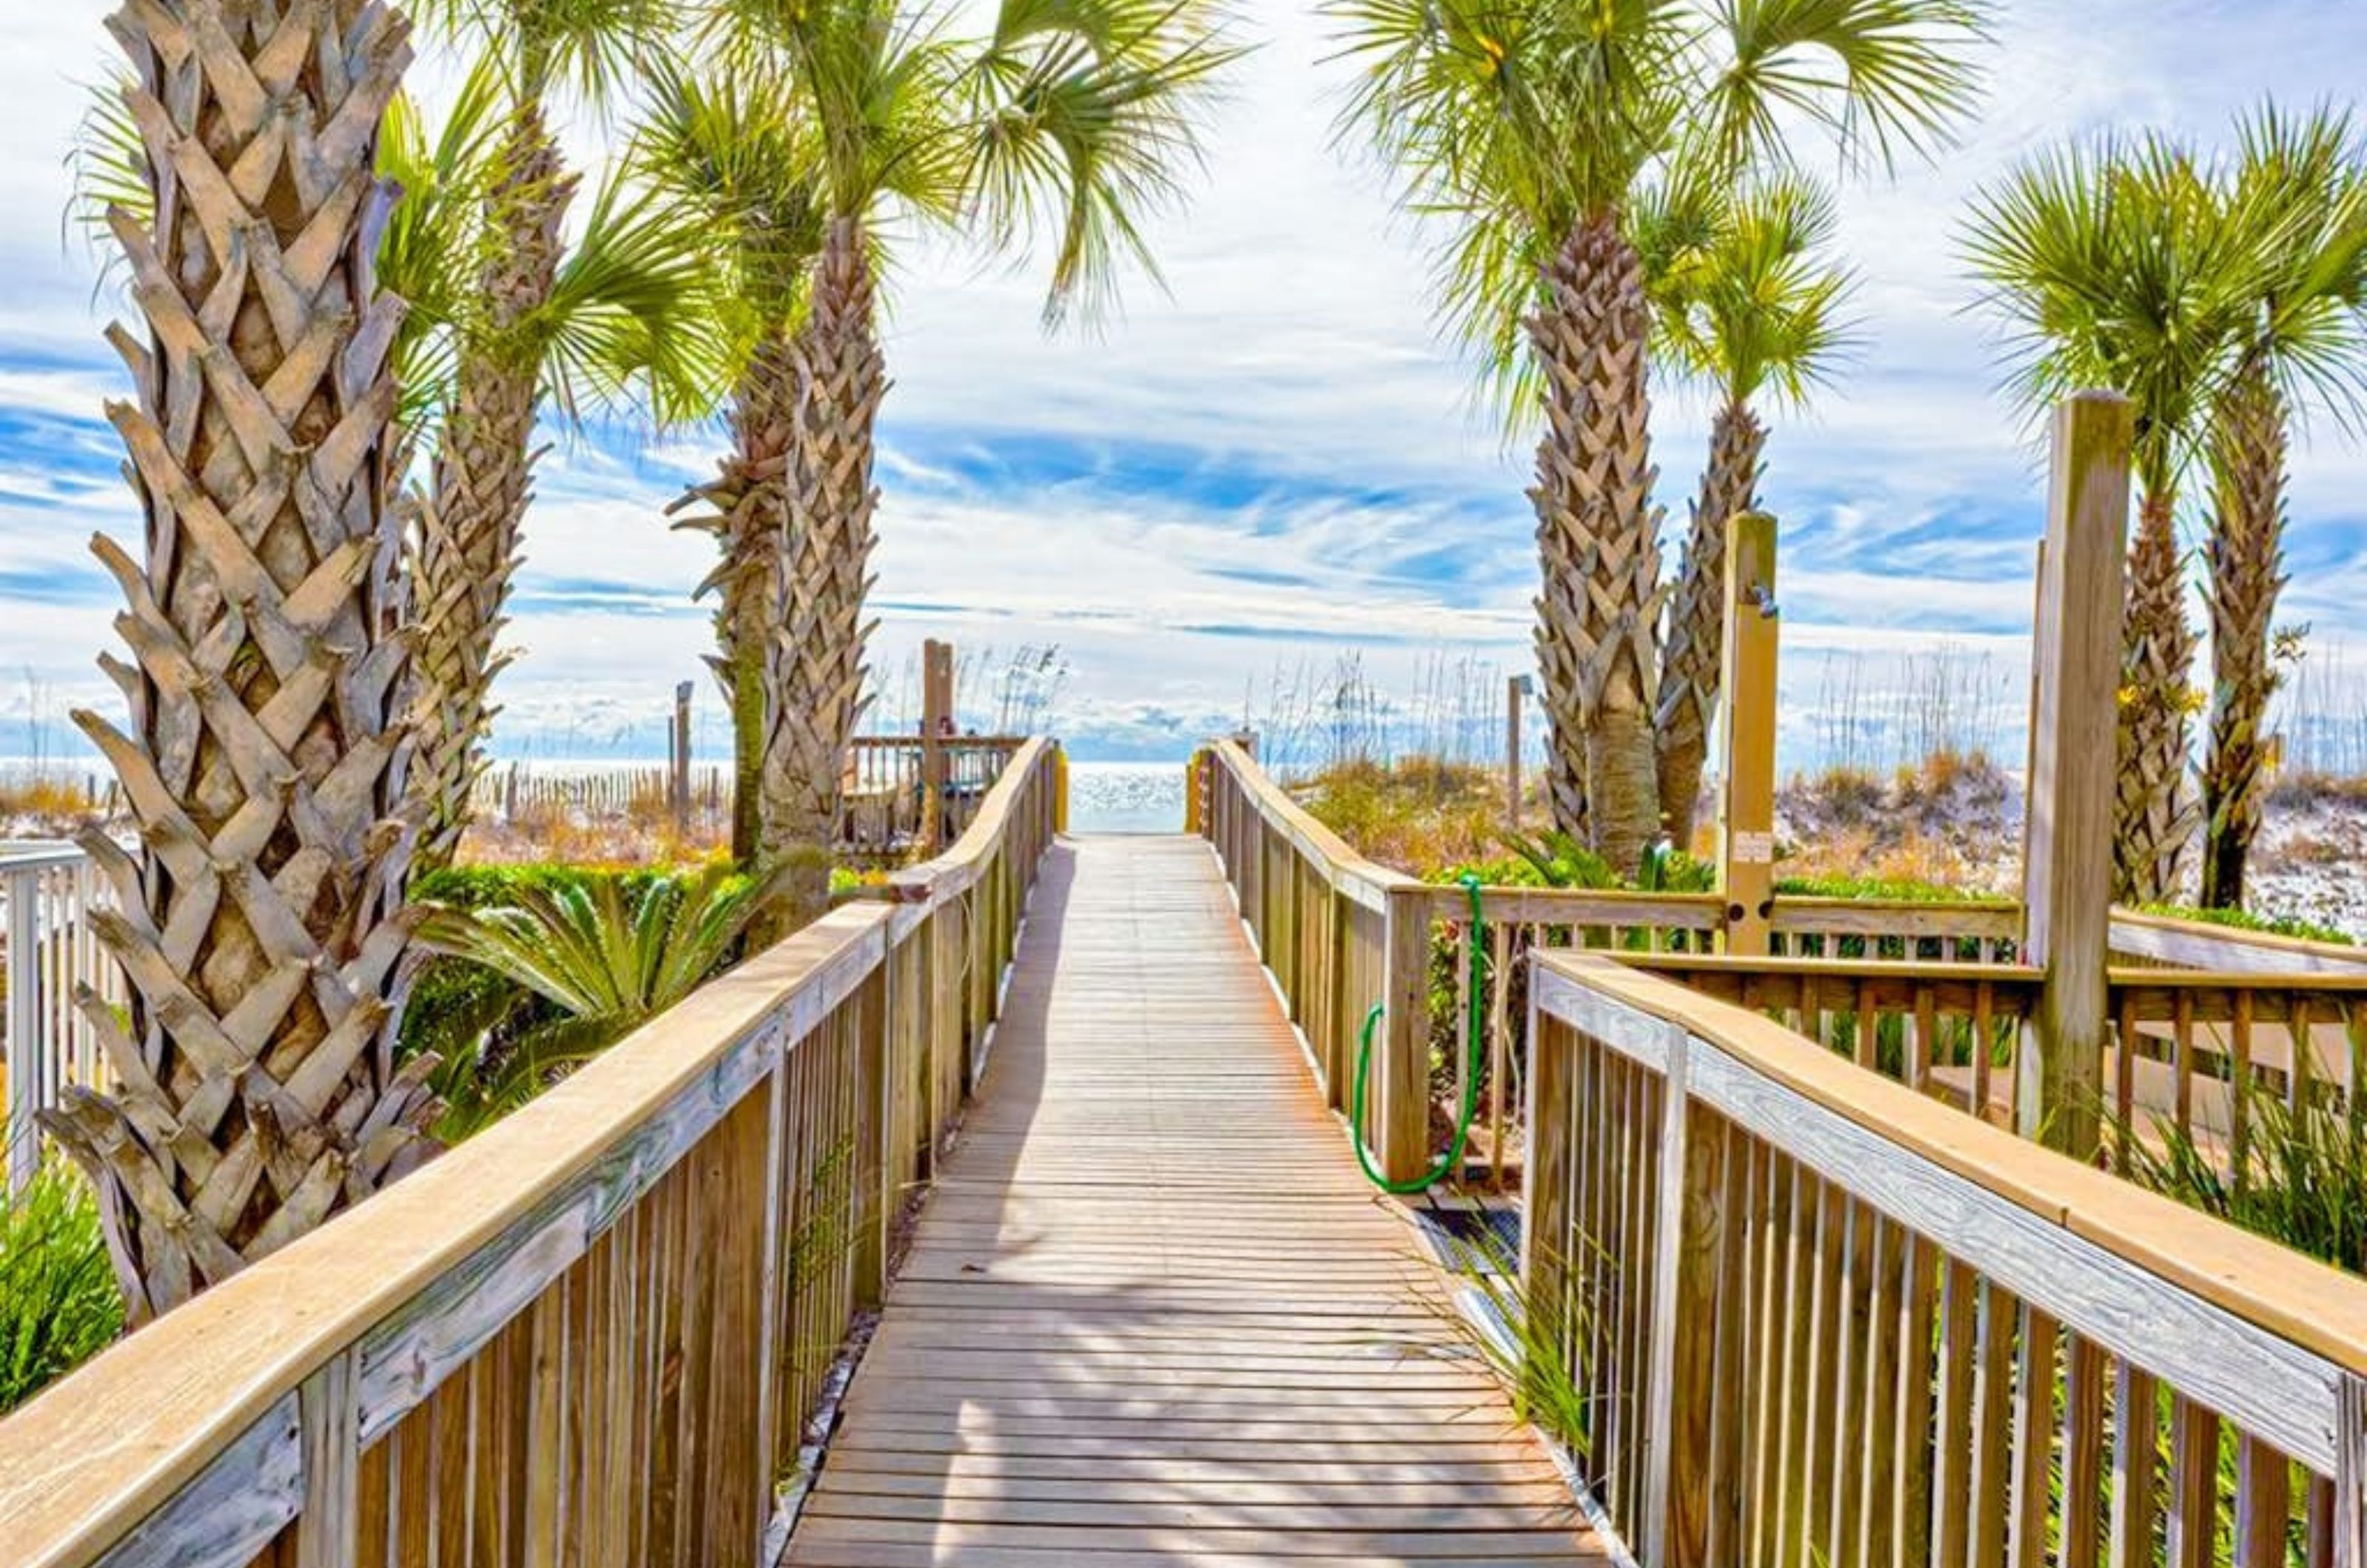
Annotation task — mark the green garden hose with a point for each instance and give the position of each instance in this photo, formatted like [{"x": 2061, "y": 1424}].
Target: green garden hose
[{"x": 1452, "y": 1159}]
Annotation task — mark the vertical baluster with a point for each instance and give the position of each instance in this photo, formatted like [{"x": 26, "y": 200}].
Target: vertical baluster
[
  {"x": 2193, "y": 1483},
  {"x": 2083, "y": 1452},
  {"x": 2137, "y": 1433}
]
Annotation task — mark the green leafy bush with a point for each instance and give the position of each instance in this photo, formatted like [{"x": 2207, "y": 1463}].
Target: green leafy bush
[
  {"x": 563, "y": 967},
  {"x": 58, "y": 1305}
]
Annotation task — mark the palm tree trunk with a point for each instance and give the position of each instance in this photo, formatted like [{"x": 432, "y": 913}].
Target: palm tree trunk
[
  {"x": 748, "y": 514},
  {"x": 819, "y": 653},
  {"x": 1597, "y": 543},
  {"x": 1692, "y": 663},
  {"x": 466, "y": 542},
  {"x": 262, "y": 922},
  {"x": 2155, "y": 811},
  {"x": 2245, "y": 555}
]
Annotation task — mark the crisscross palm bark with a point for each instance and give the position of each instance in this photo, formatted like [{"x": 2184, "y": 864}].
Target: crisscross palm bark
[
  {"x": 262, "y": 921},
  {"x": 745, "y": 508},
  {"x": 1692, "y": 663},
  {"x": 1597, "y": 543},
  {"x": 818, "y": 652},
  {"x": 2154, "y": 812},
  {"x": 2245, "y": 555},
  {"x": 465, "y": 546}
]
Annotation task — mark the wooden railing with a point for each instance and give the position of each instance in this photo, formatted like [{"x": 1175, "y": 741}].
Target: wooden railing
[
  {"x": 46, "y": 894},
  {"x": 1814, "y": 1318},
  {"x": 1901, "y": 986},
  {"x": 591, "y": 1335},
  {"x": 1342, "y": 933}
]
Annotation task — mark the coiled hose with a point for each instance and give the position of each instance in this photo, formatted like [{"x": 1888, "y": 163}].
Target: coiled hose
[{"x": 1452, "y": 1160}]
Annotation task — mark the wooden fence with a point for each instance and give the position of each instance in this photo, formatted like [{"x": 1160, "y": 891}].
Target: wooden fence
[
  {"x": 47, "y": 892},
  {"x": 888, "y": 780},
  {"x": 1814, "y": 1318},
  {"x": 591, "y": 1335}
]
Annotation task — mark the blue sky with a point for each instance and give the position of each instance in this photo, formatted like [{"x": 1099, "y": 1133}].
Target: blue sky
[{"x": 1270, "y": 463}]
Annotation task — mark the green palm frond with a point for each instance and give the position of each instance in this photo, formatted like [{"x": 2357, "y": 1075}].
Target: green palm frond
[
  {"x": 1745, "y": 298},
  {"x": 593, "y": 48},
  {"x": 106, "y": 167},
  {"x": 1514, "y": 120},
  {"x": 633, "y": 310},
  {"x": 607, "y": 960},
  {"x": 2299, "y": 188},
  {"x": 1083, "y": 115},
  {"x": 432, "y": 252},
  {"x": 1885, "y": 77},
  {"x": 736, "y": 150},
  {"x": 2146, "y": 267}
]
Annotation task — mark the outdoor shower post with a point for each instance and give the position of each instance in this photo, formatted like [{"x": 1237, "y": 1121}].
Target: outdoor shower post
[{"x": 1746, "y": 818}]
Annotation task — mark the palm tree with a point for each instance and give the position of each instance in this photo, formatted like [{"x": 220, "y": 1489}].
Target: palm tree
[
  {"x": 2300, "y": 190},
  {"x": 1754, "y": 309},
  {"x": 1074, "y": 117},
  {"x": 466, "y": 545},
  {"x": 735, "y": 148},
  {"x": 1532, "y": 125},
  {"x": 2115, "y": 264},
  {"x": 262, "y": 922}
]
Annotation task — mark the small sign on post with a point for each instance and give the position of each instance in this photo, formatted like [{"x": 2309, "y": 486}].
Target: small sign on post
[{"x": 1745, "y": 819}]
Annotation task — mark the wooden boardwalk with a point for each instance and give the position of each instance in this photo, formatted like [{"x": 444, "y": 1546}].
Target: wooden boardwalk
[{"x": 1152, "y": 1314}]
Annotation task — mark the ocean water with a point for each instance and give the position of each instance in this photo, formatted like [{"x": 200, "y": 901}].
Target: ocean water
[{"x": 1125, "y": 798}]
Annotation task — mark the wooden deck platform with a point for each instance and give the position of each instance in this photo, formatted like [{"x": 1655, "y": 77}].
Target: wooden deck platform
[{"x": 1153, "y": 1314}]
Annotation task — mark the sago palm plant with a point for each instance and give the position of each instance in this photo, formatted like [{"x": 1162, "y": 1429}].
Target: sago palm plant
[
  {"x": 1531, "y": 127},
  {"x": 607, "y": 962},
  {"x": 1754, "y": 309},
  {"x": 1069, "y": 120},
  {"x": 2114, "y": 264},
  {"x": 530, "y": 330},
  {"x": 2299, "y": 190},
  {"x": 261, "y": 922}
]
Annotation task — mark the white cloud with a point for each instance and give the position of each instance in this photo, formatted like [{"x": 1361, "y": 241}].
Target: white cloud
[{"x": 1321, "y": 464}]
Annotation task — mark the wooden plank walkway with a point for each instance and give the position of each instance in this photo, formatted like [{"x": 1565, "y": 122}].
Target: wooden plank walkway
[{"x": 1153, "y": 1314}]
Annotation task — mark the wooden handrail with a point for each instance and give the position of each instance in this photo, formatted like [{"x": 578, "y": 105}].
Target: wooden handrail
[
  {"x": 2200, "y": 945},
  {"x": 263, "y": 1415},
  {"x": 1972, "y": 1247}
]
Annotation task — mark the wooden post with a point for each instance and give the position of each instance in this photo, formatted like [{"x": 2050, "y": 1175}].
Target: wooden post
[
  {"x": 936, "y": 719},
  {"x": 681, "y": 785},
  {"x": 1401, "y": 1129},
  {"x": 2067, "y": 872},
  {"x": 1746, "y": 817},
  {"x": 1514, "y": 690},
  {"x": 28, "y": 1055}
]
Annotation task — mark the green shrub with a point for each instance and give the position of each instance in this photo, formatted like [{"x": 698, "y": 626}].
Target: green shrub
[
  {"x": 59, "y": 1305},
  {"x": 1873, "y": 889},
  {"x": 2243, "y": 921},
  {"x": 566, "y": 966}
]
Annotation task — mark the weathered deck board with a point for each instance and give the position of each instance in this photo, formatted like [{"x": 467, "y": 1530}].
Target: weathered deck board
[{"x": 1153, "y": 1316}]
